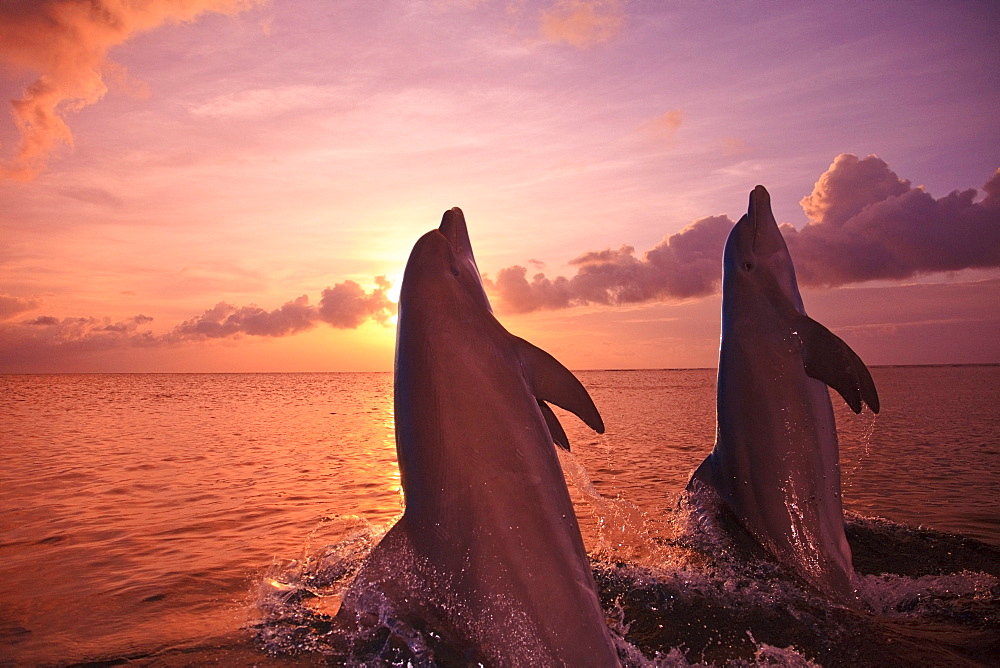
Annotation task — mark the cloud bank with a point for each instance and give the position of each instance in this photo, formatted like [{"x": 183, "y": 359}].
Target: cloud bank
[
  {"x": 865, "y": 224},
  {"x": 346, "y": 306},
  {"x": 64, "y": 43},
  {"x": 685, "y": 264}
]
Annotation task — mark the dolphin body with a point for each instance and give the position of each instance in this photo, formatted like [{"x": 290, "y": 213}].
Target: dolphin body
[
  {"x": 488, "y": 552},
  {"x": 775, "y": 464}
]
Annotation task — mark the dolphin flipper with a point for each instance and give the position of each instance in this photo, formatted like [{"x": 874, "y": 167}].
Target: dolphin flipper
[
  {"x": 555, "y": 428},
  {"x": 826, "y": 357},
  {"x": 551, "y": 381}
]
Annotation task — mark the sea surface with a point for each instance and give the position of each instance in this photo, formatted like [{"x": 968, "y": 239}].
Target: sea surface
[{"x": 183, "y": 519}]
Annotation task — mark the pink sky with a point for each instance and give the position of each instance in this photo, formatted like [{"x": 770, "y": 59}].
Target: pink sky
[{"x": 227, "y": 185}]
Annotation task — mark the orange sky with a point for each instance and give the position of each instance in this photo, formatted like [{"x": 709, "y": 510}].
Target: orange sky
[{"x": 217, "y": 185}]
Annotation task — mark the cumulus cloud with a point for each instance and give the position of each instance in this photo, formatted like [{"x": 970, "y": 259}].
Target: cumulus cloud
[
  {"x": 78, "y": 333},
  {"x": 64, "y": 43},
  {"x": 685, "y": 264},
  {"x": 865, "y": 223},
  {"x": 225, "y": 320},
  {"x": 582, "y": 23},
  {"x": 346, "y": 305}
]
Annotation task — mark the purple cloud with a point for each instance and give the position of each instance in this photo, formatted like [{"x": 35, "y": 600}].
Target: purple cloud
[
  {"x": 345, "y": 305},
  {"x": 865, "y": 223},
  {"x": 225, "y": 320},
  {"x": 685, "y": 264}
]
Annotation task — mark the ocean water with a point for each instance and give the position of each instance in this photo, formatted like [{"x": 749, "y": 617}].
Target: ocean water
[{"x": 182, "y": 519}]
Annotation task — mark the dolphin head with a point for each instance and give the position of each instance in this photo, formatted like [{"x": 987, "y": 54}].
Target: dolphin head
[
  {"x": 442, "y": 268},
  {"x": 756, "y": 257},
  {"x": 455, "y": 231}
]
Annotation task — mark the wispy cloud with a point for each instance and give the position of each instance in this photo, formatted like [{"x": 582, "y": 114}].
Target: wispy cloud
[
  {"x": 97, "y": 196},
  {"x": 582, "y": 23},
  {"x": 264, "y": 102},
  {"x": 663, "y": 129},
  {"x": 866, "y": 224},
  {"x": 12, "y": 306},
  {"x": 64, "y": 43}
]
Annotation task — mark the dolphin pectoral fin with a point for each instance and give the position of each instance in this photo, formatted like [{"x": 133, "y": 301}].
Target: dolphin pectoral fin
[
  {"x": 555, "y": 429},
  {"x": 552, "y": 382},
  {"x": 826, "y": 357},
  {"x": 704, "y": 474}
]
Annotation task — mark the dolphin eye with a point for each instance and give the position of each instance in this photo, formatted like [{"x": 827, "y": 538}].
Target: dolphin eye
[{"x": 748, "y": 266}]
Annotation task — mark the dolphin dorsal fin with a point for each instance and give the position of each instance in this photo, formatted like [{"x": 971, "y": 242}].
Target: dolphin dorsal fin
[
  {"x": 555, "y": 428},
  {"x": 826, "y": 357},
  {"x": 552, "y": 382}
]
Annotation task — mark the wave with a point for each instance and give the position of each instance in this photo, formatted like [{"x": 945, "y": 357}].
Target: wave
[{"x": 696, "y": 597}]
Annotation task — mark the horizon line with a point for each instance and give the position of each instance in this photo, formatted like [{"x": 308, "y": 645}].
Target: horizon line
[{"x": 258, "y": 373}]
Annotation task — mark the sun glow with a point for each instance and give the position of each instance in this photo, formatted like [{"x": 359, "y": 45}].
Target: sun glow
[{"x": 392, "y": 292}]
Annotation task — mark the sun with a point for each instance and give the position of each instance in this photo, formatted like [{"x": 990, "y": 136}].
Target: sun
[
  {"x": 392, "y": 294},
  {"x": 395, "y": 285}
]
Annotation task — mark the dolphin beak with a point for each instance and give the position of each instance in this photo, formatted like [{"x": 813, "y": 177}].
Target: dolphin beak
[
  {"x": 766, "y": 235},
  {"x": 454, "y": 229}
]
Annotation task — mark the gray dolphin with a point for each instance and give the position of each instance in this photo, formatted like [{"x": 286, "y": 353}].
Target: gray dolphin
[
  {"x": 775, "y": 464},
  {"x": 488, "y": 552}
]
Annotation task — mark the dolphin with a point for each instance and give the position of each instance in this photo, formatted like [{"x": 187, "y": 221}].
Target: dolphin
[
  {"x": 775, "y": 464},
  {"x": 487, "y": 553}
]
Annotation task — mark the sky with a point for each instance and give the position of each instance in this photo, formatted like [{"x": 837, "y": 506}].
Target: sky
[{"x": 235, "y": 185}]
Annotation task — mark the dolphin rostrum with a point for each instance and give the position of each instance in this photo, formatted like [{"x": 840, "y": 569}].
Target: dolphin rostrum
[
  {"x": 775, "y": 464},
  {"x": 488, "y": 552}
]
